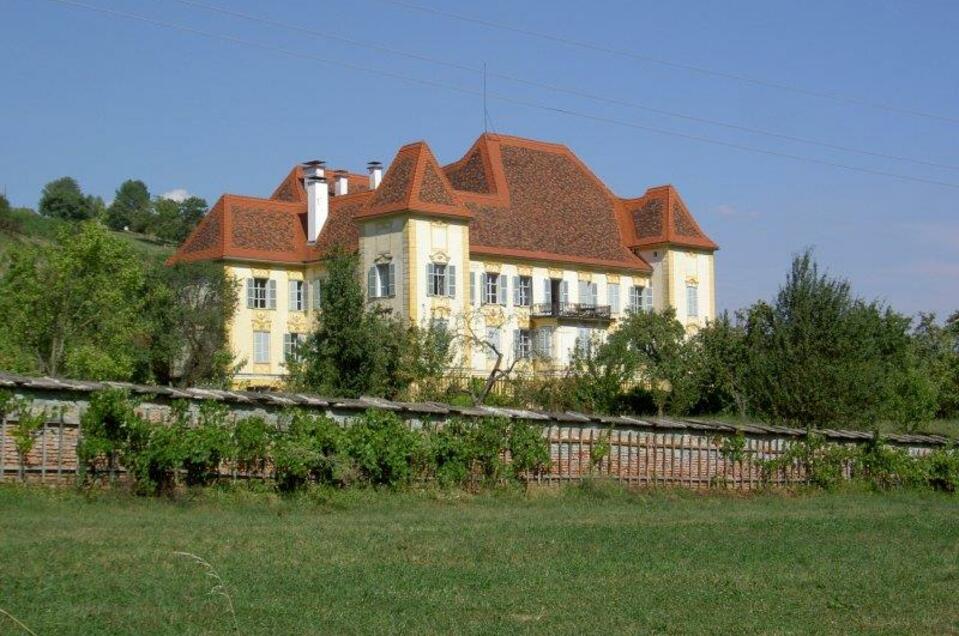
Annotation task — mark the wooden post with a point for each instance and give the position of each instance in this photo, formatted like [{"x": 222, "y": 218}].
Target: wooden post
[
  {"x": 3, "y": 445},
  {"x": 60, "y": 449},
  {"x": 43, "y": 449}
]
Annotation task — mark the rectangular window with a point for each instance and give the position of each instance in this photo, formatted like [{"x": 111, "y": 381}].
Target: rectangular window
[
  {"x": 291, "y": 345},
  {"x": 587, "y": 293},
  {"x": 317, "y": 293},
  {"x": 636, "y": 298},
  {"x": 493, "y": 343},
  {"x": 296, "y": 292},
  {"x": 543, "y": 343},
  {"x": 491, "y": 289},
  {"x": 440, "y": 280},
  {"x": 692, "y": 301},
  {"x": 261, "y": 347},
  {"x": 612, "y": 296},
  {"x": 522, "y": 343},
  {"x": 647, "y": 299},
  {"x": 524, "y": 291},
  {"x": 583, "y": 341},
  {"x": 260, "y": 293},
  {"x": 381, "y": 280}
]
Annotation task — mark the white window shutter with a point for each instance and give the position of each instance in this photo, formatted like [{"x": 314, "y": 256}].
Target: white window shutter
[
  {"x": 564, "y": 291},
  {"x": 271, "y": 294},
  {"x": 430, "y": 270},
  {"x": 482, "y": 289},
  {"x": 317, "y": 293},
  {"x": 516, "y": 344},
  {"x": 648, "y": 298},
  {"x": 502, "y": 290},
  {"x": 371, "y": 282},
  {"x": 594, "y": 294},
  {"x": 473, "y": 288},
  {"x": 583, "y": 292},
  {"x": 391, "y": 286},
  {"x": 250, "y": 294},
  {"x": 291, "y": 295},
  {"x": 516, "y": 291},
  {"x": 451, "y": 281},
  {"x": 548, "y": 291}
]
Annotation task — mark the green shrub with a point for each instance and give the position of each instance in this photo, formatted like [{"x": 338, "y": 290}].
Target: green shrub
[
  {"x": 251, "y": 439},
  {"x": 823, "y": 464},
  {"x": 941, "y": 469},
  {"x": 529, "y": 450},
  {"x": 106, "y": 429},
  {"x": 312, "y": 448},
  {"x": 205, "y": 444},
  {"x": 384, "y": 450},
  {"x": 884, "y": 467}
]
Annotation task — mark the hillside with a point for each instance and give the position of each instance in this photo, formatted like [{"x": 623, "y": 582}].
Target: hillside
[{"x": 28, "y": 227}]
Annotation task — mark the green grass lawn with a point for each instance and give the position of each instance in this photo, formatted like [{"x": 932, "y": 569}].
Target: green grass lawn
[{"x": 572, "y": 562}]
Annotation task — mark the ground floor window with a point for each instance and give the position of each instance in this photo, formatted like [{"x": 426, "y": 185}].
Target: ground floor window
[
  {"x": 261, "y": 347},
  {"x": 522, "y": 343},
  {"x": 292, "y": 342}
]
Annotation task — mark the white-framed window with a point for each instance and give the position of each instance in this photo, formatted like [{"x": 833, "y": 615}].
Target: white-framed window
[
  {"x": 316, "y": 290},
  {"x": 440, "y": 280},
  {"x": 543, "y": 342},
  {"x": 640, "y": 298},
  {"x": 588, "y": 294},
  {"x": 297, "y": 292},
  {"x": 692, "y": 301},
  {"x": 494, "y": 342},
  {"x": 291, "y": 345},
  {"x": 494, "y": 289},
  {"x": 612, "y": 296},
  {"x": 260, "y": 293},
  {"x": 522, "y": 343},
  {"x": 261, "y": 347},
  {"x": 522, "y": 291},
  {"x": 583, "y": 340},
  {"x": 381, "y": 281}
]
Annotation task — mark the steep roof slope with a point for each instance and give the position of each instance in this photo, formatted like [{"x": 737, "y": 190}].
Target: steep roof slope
[
  {"x": 522, "y": 198},
  {"x": 537, "y": 200},
  {"x": 415, "y": 182},
  {"x": 660, "y": 217}
]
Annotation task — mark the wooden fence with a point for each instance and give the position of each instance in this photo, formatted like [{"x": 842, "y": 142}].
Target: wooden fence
[{"x": 692, "y": 452}]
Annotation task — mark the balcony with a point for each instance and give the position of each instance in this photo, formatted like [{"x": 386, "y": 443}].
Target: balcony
[{"x": 572, "y": 311}]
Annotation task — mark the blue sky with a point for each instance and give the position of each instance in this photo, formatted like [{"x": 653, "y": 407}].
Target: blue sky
[{"x": 104, "y": 98}]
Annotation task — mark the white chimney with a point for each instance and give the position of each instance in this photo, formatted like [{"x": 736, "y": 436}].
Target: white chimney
[
  {"x": 317, "y": 198},
  {"x": 341, "y": 185},
  {"x": 376, "y": 174}
]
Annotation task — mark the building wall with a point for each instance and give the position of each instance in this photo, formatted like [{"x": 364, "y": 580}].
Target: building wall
[{"x": 277, "y": 322}]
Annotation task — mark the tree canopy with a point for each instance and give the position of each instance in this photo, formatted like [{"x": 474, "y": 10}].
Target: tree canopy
[{"x": 63, "y": 199}]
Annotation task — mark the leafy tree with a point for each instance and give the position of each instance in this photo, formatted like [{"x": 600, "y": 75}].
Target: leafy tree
[
  {"x": 821, "y": 357},
  {"x": 937, "y": 347},
  {"x": 723, "y": 359},
  {"x": 63, "y": 199},
  {"x": 664, "y": 357},
  {"x": 75, "y": 307},
  {"x": 188, "y": 308},
  {"x": 599, "y": 373},
  {"x": 131, "y": 207},
  {"x": 355, "y": 349},
  {"x": 173, "y": 221}
]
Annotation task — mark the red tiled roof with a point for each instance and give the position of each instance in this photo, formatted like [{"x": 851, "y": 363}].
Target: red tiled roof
[
  {"x": 415, "y": 182},
  {"x": 538, "y": 201},
  {"x": 660, "y": 217},
  {"x": 523, "y": 199}
]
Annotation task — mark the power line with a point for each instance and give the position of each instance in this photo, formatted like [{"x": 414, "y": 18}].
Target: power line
[
  {"x": 745, "y": 79},
  {"x": 560, "y": 89},
  {"x": 499, "y": 96}
]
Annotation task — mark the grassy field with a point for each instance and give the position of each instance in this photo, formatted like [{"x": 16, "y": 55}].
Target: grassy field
[{"x": 599, "y": 561}]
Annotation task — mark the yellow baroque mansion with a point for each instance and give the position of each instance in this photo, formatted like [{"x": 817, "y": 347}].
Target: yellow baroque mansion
[{"x": 518, "y": 243}]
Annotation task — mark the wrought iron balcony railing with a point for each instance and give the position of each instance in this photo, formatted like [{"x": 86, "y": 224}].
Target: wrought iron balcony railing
[{"x": 577, "y": 311}]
